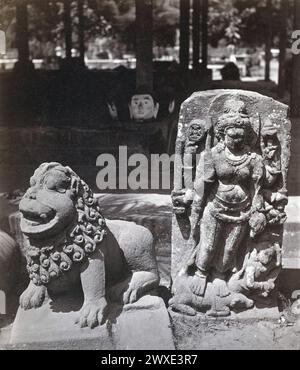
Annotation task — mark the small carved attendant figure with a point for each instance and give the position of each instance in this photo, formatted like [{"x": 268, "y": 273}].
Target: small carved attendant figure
[
  {"x": 232, "y": 202},
  {"x": 270, "y": 148},
  {"x": 275, "y": 199},
  {"x": 188, "y": 154},
  {"x": 143, "y": 106}
]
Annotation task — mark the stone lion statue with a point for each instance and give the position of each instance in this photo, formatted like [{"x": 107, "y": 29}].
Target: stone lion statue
[{"x": 68, "y": 241}]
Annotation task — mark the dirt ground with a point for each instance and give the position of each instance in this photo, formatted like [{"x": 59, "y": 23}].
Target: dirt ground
[{"x": 194, "y": 333}]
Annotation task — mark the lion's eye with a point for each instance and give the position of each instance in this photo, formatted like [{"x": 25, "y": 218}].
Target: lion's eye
[
  {"x": 50, "y": 183},
  {"x": 59, "y": 185}
]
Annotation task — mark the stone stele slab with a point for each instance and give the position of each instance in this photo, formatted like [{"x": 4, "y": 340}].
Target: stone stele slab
[
  {"x": 139, "y": 326},
  {"x": 202, "y": 105}
]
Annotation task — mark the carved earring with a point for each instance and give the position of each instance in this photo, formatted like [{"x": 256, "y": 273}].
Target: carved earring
[{"x": 171, "y": 106}]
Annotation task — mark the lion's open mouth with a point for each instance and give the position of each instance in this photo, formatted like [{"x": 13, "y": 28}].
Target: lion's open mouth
[
  {"x": 36, "y": 223},
  {"x": 36, "y": 218}
]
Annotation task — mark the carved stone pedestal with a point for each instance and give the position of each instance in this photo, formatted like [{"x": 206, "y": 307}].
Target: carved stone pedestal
[{"x": 139, "y": 326}]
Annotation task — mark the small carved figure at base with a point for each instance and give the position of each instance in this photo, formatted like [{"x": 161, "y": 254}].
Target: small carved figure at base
[{"x": 213, "y": 303}]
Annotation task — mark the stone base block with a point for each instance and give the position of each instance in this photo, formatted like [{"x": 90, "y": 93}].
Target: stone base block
[
  {"x": 254, "y": 314},
  {"x": 142, "y": 325}
]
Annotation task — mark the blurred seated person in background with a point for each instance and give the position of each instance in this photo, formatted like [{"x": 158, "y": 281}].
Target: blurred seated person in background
[
  {"x": 230, "y": 72},
  {"x": 248, "y": 62},
  {"x": 252, "y": 61},
  {"x": 143, "y": 106}
]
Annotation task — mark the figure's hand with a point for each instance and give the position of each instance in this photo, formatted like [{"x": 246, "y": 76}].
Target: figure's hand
[
  {"x": 33, "y": 296},
  {"x": 113, "y": 111},
  {"x": 267, "y": 288},
  {"x": 179, "y": 205},
  {"x": 171, "y": 107},
  {"x": 92, "y": 313}
]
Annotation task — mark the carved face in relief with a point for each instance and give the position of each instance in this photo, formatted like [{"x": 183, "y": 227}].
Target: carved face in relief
[
  {"x": 197, "y": 131},
  {"x": 234, "y": 138},
  {"x": 142, "y": 107},
  {"x": 48, "y": 207},
  {"x": 235, "y": 130}
]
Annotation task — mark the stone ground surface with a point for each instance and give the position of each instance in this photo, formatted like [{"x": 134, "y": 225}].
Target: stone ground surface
[{"x": 200, "y": 334}]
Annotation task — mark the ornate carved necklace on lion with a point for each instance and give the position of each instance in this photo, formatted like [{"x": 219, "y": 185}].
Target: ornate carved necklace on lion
[{"x": 49, "y": 262}]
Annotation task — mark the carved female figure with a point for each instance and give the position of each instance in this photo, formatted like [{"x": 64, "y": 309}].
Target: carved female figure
[{"x": 228, "y": 200}]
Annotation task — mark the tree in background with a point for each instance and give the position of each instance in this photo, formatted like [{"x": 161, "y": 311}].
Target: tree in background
[
  {"x": 8, "y": 21},
  {"x": 238, "y": 22},
  {"x": 243, "y": 22}
]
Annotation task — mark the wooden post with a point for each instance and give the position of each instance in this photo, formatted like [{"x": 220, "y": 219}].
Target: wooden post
[
  {"x": 204, "y": 32},
  {"x": 184, "y": 47},
  {"x": 295, "y": 92},
  {"x": 68, "y": 29},
  {"x": 144, "y": 44},
  {"x": 196, "y": 34},
  {"x": 22, "y": 31},
  {"x": 81, "y": 30},
  {"x": 268, "y": 43},
  {"x": 282, "y": 47}
]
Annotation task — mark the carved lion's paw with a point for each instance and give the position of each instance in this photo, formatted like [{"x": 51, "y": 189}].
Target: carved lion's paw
[
  {"x": 131, "y": 295},
  {"x": 141, "y": 282},
  {"x": 33, "y": 297},
  {"x": 92, "y": 313}
]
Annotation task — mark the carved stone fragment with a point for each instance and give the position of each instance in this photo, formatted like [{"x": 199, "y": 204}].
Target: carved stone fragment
[{"x": 229, "y": 202}]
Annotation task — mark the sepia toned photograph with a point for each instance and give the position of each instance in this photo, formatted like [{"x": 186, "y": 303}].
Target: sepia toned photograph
[{"x": 149, "y": 177}]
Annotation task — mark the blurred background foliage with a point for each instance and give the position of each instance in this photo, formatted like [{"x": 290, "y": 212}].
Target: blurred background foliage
[{"x": 238, "y": 22}]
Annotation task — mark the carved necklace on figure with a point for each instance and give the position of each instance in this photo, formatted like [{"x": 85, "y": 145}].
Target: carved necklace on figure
[{"x": 235, "y": 160}]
